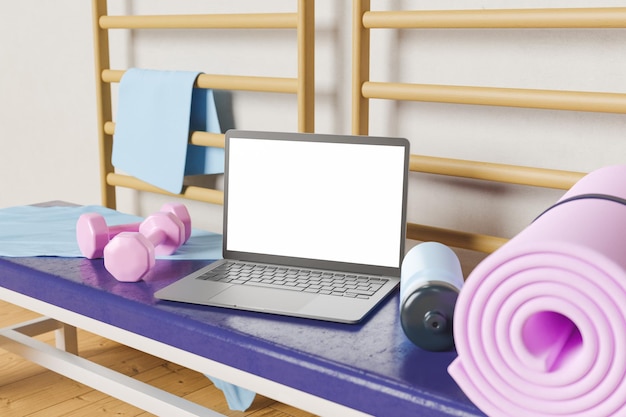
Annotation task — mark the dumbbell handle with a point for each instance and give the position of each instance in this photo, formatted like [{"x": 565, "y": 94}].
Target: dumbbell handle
[
  {"x": 165, "y": 242},
  {"x": 119, "y": 228},
  {"x": 156, "y": 236}
]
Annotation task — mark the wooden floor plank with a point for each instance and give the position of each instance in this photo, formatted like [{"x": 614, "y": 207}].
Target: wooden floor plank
[
  {"x": 37, "y": 393},
  {"x": 28, "y": 390}
]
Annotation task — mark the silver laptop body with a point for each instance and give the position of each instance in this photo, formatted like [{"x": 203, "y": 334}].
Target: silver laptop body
[{"x": 321, "y": 216}]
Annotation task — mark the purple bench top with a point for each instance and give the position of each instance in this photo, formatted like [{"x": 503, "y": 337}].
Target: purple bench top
[{"x": 370, "y": 366}]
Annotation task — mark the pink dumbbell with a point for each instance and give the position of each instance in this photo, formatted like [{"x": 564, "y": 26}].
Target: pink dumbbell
[
  {"x": 130, "y": 255},
  {"x": 93, "y": 234}
]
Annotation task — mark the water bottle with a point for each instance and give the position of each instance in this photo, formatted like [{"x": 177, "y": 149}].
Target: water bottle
[{"x": 430, "y": 281}]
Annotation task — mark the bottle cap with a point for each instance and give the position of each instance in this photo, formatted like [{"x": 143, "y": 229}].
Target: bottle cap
[{"x": 426, "y": 316}]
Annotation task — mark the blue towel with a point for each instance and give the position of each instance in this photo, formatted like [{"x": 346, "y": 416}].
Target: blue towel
[
  {"x": 238, "y": 398},
  {"x": 51, "y": 231},
  {"x": 156, "y": 112}
]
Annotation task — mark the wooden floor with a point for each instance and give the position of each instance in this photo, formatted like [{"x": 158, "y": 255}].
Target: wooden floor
[{"x": 27, "y": 389}]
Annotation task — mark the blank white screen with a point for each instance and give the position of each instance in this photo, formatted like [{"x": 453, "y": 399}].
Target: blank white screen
[{"x": 326, "y": 201}]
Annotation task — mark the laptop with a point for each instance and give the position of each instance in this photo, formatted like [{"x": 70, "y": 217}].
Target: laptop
[{"x": 314, "y": 226}]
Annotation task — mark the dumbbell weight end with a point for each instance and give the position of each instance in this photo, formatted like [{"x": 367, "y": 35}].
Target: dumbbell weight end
[
  {"x": 88, "y": 236},
  {"x": 129, "y": 256},
  {"x": 181, "y": 212}
]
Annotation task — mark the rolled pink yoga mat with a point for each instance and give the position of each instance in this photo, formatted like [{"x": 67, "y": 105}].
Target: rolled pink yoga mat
[{"x": 540, "y": 324}]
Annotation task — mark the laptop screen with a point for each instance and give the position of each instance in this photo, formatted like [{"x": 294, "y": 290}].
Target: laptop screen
[{"x": 322, "y": 197}]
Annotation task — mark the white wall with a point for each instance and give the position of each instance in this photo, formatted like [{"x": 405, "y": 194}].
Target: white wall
[{"x": 47, "y": 110}]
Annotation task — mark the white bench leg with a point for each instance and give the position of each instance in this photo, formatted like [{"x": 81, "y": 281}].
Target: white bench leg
[{"x": 18, "y": 339}]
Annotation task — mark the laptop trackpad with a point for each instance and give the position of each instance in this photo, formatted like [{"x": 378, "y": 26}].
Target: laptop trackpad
[{"x": 262, "y": 299}]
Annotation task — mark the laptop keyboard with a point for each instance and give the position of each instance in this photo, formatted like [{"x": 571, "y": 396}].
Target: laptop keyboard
[{"x": 296, "y": 279}]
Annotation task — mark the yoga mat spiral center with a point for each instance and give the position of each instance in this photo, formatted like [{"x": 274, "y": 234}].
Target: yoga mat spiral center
[{"x": 552, "y": 339}]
